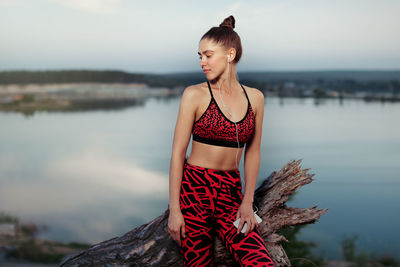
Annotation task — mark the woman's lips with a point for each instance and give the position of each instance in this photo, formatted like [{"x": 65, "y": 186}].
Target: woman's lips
[{"x": 205, "y": 71}]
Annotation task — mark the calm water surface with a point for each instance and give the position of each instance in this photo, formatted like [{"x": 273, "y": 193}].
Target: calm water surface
[{"x": 91, "y": 176}]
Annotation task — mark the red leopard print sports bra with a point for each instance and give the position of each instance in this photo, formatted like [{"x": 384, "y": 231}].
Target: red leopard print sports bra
[{"x": 214, "y": 128}]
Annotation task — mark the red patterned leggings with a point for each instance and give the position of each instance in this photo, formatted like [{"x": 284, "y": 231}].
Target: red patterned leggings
[{"x": 209, "y": 201}]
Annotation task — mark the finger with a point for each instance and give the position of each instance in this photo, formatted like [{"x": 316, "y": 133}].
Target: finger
[
  {"x": 239, "y": 226},
  {"x": 249, "y": 227},
  {"x": 178, "y": 238},
  {"x": 171, "y": 232},
  {"x": 174, "y": 235},
  {"x": 253, "y": 224},
  {"x": 183, "y": 231},
  {"x": 237, "y": 215},
  {"x": 177, "y": 235}
]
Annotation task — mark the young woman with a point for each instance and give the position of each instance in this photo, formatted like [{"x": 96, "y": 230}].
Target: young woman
[{"x": 205, "y": 189}]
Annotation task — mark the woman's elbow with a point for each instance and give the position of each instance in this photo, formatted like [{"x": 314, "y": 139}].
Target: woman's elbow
[{"x": 178, "y": 152}]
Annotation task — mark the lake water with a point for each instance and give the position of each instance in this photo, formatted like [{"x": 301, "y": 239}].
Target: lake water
[{"x": 90, "y": 176}]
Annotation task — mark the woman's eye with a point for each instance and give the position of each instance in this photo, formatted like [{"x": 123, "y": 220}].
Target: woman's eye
[{"x": 206, "y": 56}]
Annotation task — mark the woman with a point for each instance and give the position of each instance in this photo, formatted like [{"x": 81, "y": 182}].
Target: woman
[{"x": 205, "y": 189}]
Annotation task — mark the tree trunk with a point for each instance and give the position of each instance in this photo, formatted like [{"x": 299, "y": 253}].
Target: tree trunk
[{"x": 151, "y": 245}]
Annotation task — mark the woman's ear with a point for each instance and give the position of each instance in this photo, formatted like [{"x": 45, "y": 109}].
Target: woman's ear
[{"x": 231, "y": 54}]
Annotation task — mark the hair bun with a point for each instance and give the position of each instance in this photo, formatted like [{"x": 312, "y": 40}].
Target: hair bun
[{"x": 229, "y": 22}]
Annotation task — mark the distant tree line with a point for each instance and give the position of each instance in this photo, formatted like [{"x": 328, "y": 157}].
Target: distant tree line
[
  {"x": 352, "y": 85},
  {"x": 82, "y": 76},
  {"x": 345, "y": 81}
]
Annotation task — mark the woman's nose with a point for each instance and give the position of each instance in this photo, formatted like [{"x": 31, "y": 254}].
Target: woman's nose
[{"x": 202, "y": 62}]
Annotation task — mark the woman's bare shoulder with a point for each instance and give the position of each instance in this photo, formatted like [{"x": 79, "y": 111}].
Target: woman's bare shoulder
[
  {"x": 256, "y": 96},
  {"x": 194, "y": 92}
]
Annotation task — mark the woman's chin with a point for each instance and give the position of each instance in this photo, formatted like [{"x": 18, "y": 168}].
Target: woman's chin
[{"x": 209, "y": 76}]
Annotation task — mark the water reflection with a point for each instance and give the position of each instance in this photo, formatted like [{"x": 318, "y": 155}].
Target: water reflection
[
  {"x": 94, "y": 175},
  {"x": 84, "y": 194},
  {"x": 93, "y": 169}
]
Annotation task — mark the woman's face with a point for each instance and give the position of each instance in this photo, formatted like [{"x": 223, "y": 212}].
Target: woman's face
[{"x": 213, "y": 58}]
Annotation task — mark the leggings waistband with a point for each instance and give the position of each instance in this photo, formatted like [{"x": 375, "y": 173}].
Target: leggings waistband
[{"x": 211, "y": 177}]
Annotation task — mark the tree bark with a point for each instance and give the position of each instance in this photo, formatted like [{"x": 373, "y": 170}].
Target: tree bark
[{"x": 151, "y": 245}]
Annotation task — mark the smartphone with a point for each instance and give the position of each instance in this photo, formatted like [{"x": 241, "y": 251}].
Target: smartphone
[{"x": 236, "y": 223}]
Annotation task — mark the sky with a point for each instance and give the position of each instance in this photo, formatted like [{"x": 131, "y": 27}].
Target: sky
[{"x": 163, "y": 36}]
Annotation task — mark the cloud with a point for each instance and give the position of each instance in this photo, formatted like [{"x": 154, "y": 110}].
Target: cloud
[
  {"x": 100, "y": 169},
  {"x": 276, "y": 35},
  {"x": 93, "y": 6},
  {"x": 13, "y": 3},
  {"x": 90, "y": 177},
  {"x": 234, "y": 7}
]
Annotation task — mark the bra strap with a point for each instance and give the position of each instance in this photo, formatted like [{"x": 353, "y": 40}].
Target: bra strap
[
  {"x": 209, "y": 88},
  {"x": 245, "y": 93}
]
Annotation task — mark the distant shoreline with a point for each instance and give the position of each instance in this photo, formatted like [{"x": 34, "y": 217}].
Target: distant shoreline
[
  {"x": 30, "y": 98},
  {"x": 73, "y": 90}
]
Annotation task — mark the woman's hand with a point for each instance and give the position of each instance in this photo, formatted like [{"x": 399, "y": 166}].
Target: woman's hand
[
  {"x": 176, "y": 226},
  {"x": 246, "y": 214}
]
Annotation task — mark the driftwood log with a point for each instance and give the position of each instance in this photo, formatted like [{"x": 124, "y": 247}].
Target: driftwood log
[{"x": 151, "y": 245}]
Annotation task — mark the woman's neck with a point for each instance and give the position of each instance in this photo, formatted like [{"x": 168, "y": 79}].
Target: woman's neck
[{"x": 227, "y": 83}]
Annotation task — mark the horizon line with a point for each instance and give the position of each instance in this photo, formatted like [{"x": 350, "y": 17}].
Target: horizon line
[{"x": 187, "y": 72}]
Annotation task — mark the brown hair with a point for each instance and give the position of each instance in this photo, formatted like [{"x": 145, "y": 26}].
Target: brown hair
[{"x": 226, "y": 36}]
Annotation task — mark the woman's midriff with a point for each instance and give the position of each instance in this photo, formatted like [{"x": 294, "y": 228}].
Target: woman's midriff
[{"x": 214, "y": 157}]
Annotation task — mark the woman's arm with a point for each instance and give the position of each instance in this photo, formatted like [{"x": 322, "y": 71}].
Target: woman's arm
[
  {"x": 251, "y": 168},
  {"x": 252, "y": 152},
  {"x": 183, "y": 127},
  {"x": 181, "y": 140}
]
